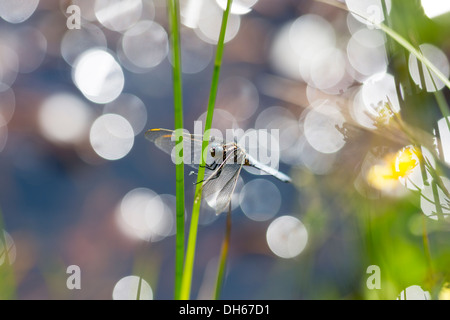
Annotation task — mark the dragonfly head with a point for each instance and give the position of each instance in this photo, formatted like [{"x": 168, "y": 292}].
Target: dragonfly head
[{"x": 216, "y": 151}]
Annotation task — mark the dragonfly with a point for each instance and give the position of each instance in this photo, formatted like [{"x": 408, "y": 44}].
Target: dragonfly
[{"x": 223, "y": 161}]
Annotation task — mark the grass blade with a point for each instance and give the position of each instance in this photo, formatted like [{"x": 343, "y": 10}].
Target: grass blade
[
  {"x": 173, "y": 11},
  {"x": 408, "y": 46},
  {"x": 192, "y": 239},
  {"x": 397, "y": 38},
  {"x": 7, "y": 278},
  {"x": 223, "y": 256}
]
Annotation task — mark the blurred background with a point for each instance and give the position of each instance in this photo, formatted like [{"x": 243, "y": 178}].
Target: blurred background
[{"x": 362, "y": 132}]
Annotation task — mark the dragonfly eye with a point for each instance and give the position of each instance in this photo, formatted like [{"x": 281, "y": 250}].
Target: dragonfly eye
[{"x": 216, "y": 151}]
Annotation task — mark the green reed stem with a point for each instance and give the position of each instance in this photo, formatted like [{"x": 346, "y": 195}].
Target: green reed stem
[
  {"x": 440, "y": 100},
  {"x": 408, "y": 46},
  {"x": 192, "y": 239},
  {"x": 223, "y": 256},
  {"x": 7, "y": 278},
  {"x": 173, "y": 11}
]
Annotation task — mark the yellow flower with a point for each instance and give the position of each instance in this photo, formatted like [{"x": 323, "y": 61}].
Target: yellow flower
[
  {"x": 381, "y": 176},
  {"x": 405, "y": 161},
  {"x": 444, "y": 294},
  {"x": 385, "y": 175}
]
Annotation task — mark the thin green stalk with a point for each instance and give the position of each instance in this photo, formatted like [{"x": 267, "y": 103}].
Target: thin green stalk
[
  {"x": 7, "y": 278},
  {"x": 192, "y": 239},
  {"x": 443, "y": 106},
  {"x": 426, "y": 247},
  {"x": 173, "y": 12},
  {"x": 399, "y": 39},
  {"x": 408, "y": 46},
  {"x": 223, "y": 256},
  {"x": 440, "y": 100},
  {"x": 138, "y": 294}
]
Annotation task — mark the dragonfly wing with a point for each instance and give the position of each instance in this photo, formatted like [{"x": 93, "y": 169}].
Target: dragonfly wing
[
  {"x": 220, "y": 184},
  {"x": 164, "y": 139},
  {"x": 215, "y": 183},
  {"x": 224, "y": 196},
  {"x": 217, "y": 191}
]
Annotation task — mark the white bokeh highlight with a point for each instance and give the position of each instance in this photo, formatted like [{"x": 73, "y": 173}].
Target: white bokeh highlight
[
  {"x": 369, "y": 12},
  {"x": 144, "y": 46},
  {"x": 98, "y": 76},
  {"x": 414, "y": 293},
  {"x": 238, "y": 6},
  {"x": 144, "y": 215},
  {"x": 64, "y": 118},
  {"x": 320, "y": 127},
  {"x": 260, "y": 199},
  {"x": 111, "y": 136},
  {"x": 118, "y": 15},
  {"x": 444, "y": 135},
  {"x": 435, "y": 8},
  {"x": 77, "y": 41},
  {"x": 287, "y": 237},
  {"x": 132, "y": 108},
  {"x": 132, "y": 288},
  {"x": 438, "y": 58},
  {"x": 15, "y": 11}
]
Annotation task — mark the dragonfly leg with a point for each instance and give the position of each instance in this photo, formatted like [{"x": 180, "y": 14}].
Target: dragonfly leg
[
  {"x": 217, "y": 174},
  {"x": 212, "y": 167}
]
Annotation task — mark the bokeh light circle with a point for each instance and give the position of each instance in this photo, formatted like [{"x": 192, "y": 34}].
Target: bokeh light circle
[
  {"x": 378, "y": 90},
  {"x": 118, "y": 15},
  {"x": 438, "y": 58},
  {"x": 320, "y": 35},
  {"x": 444, "y": 135},
  {"x": 30, "y": 45},
  {"x": 64, "y": 118},
  {"x": 238, "y": 6},
  {"x": 9, "y": 66},
  {"x": 77, "y": 41},
  {"x": 366, "y": 52},
  {"x": 327, "y": 68},
  {"x": 239, "y": 96},
  {"x": 196, "y": 54},
  {"x": 260, "y": 199},
  {"x": 7, "y": 104},
  {"x": 210, "y": 20},
  {"x": 15, "y": 11},
  {"x": 111, "y": 136},
  {"x": 287, "y": 237},
  {"x": 414, "y": 293},
  {"x": 98, "y": 76},
  {"x": 145, "y": 45},
  {"x": 369, "y": 12},
  {"x": 132, "y": 288},
  {"x": 131, "y": 108},
  {"x": 132, "y": 213},
  {"x": 321, "y": 127},
  {"x": 283, "y": 121},
  {"x": 435, "y": 8},
  {"x": 3, "y": 133}
]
